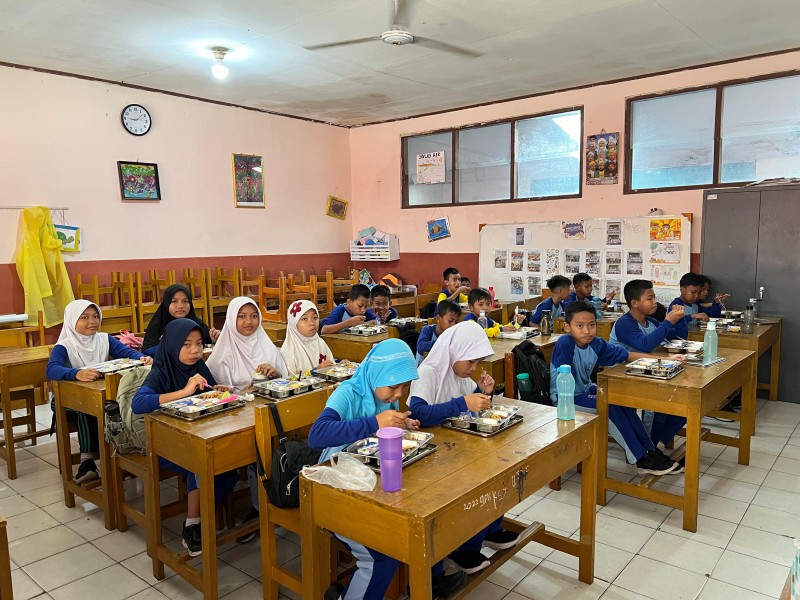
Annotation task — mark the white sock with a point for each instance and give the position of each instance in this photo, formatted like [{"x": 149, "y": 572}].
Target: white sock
[
  {"x": 86, "y": 456},
  {"x": 194, "y": 521}
]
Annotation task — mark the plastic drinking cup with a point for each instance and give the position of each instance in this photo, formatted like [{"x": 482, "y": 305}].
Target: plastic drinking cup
[
  {"x": 391, "y": 474},
  {"x": 390, "y": 443}
]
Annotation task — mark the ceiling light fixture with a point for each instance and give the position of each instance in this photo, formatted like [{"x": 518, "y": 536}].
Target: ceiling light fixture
[{"x": 219, "y": 70}]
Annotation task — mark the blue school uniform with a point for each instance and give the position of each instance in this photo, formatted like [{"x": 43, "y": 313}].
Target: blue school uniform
[
  {"x": 714, "y": 311},
  {"x": 371, "y": 316},
  {"x": 547, "y": 304},
  {"x": 681, "y": 329},
  {"x": 573, "y": 297},
  {"x": 336, "y": 316},
  {"x": 471, "y": 317},
  {"x": 426, "y": 340}
]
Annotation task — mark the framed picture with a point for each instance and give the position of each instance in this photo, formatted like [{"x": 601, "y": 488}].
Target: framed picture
[
  {"x": 248, "y": 181},
  {"x": 138, "y": 181},
  {"x": 70, "y": 237},
  {"x": 438, "y": 229},
  {"x": 337, "y": 208}
]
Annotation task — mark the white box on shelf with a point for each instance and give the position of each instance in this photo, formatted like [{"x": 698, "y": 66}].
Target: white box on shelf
[{"x": 376, "y": 252}]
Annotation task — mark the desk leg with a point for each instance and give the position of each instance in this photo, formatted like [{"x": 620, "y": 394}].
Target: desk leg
[
  {"x": 775, "y": 370},
  {"x": 420, "y": 579},
  {"x": 8, "y": 427},
  {"x": 747, "y": 424},
  {"x": 109, "y": 510},
  {"x": 315, "y": 547},
  {"x": 208, "y": 518},
  {"x": 588, "y": 512},
  {"x": 601, "y": 445},
  {"x": 64, "y": 448},
  {"x": 691, "y": 488},
  {"x": 152, "y": 505}
]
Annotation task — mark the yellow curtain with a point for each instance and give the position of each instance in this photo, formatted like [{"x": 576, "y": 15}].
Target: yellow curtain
[{"x": 41, "y": 269}]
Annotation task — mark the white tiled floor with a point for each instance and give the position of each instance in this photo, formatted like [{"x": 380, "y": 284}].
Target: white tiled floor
[{"x": 748, "y": 518}]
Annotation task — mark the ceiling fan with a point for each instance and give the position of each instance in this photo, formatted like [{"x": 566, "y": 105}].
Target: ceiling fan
[{"x": 398, "y": 36}]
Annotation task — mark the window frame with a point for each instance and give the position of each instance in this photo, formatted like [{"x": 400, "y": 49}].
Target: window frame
[{"x": 719, "y": 88}]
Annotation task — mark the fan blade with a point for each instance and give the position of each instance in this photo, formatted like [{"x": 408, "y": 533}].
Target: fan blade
[
  {"x": 437, "y": 45},
  {"x": 401, "y": 13},
  {"x": 345, "y": 43}
]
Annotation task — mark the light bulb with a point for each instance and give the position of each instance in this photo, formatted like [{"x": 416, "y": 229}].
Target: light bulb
[{"x": 219, "y": 70}]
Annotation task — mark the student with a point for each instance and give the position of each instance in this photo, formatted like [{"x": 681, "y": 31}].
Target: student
[
  {"x": 582, "y": 282},
  {"x": 690, "y": 291},
  {"x": 381, "y": 305},
  {"x": 448, "y": 313},
  {"x": 582, "y": 351},
  {"x": 556, "y": 303},
  {"x": 176, "y": 304},
  {"x": 355, "y": 410},
  {"x": 466, "y": 283},
  {"x": 481, "y": 300},
  {"x": 178, "y": 372},
  {"x": 444, "y": 389},
  {"x": 303, "y": 349},
  {"x": 453, "y": 288},
  {"x": 712, "y": 309},
  {"x": 352, "y": 312},
  {"x": 81, "y": 344}
]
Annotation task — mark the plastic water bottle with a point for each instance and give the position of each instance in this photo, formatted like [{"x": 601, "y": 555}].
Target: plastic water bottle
[
  {"x": 598, "y": 307},
  {"x": 749, "y": 319},
  {"x": 754, "y": 303},
  {"x": 710, "y": 344},
  {"x": 524, "y": 387},
  {"x": 491, "y": 293},
  {"x": 546, "y": 325},
  {"x": 483, "y": 321},
  {"x": 565, "y": 384}
]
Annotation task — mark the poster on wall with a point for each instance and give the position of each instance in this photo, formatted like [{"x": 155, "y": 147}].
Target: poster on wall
[
  {"x": 593, "y": 258},
  {"x": 572, "y": 262},
  {"x": 665, "y": 274},
  {"x": 70, "y": 238},
  {"x": 438, "y": 229},
  {"x": 613, "y": 262},
  {"x": 501, "y": 261},
  {"x": 248, "y": 182},
  {"x": 633, "y": 262},
  {"x": 596, "y": 286},
  {"x": 430, "y": 167},
  {"x": 665, "y": 252},
  {"x": 614, "y": 233},
  {"x": 515, "y": 285},
  {"x": 517, "y": 261},
  {"x": 665, "y": 229},
  {"x": 613, "y": 289},
  {"x": 534, "y": 285},
  {"x": 534, "y": 261},
  {"x": 553, "y": 263},
  {"x": 573, "y": 230},
  {"x": 601, "y": 159},
  {"x": 665, "y": 295},
  {"x": 519, "y": 236}
]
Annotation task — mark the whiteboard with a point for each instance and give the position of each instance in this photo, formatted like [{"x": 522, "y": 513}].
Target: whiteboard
[{"x": 517, "y": 259}]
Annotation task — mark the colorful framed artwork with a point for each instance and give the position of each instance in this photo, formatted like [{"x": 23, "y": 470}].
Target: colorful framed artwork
[
  {"x": 438, "y": 229},
  {"x": 337, "y": 208},
  {"x": 248, "y": 181},
  {"x": 70, "y": 237},
  {"x": 138, "y": 181}
]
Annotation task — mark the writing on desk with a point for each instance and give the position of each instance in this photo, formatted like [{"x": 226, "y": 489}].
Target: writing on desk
[{"x": 486, "y": 498}]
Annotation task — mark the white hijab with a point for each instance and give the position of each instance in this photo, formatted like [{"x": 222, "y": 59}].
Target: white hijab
[
  {"x": 83, "y": 350},
  {"x": 437, "y": 381},
  {"x": 235, "y": 356},
  {"x": 302, "y": 353}
]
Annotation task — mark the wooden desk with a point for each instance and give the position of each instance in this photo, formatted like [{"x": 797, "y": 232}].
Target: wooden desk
[
  {"x": 450, "y": 495},
  {"x": 394, "y": 331},
  {"x": 352, "y": 347},
  {"x": 275, "y": 331},
  {"x": 693, "y": 394},
  {"x": 88, "y": 397},
  {"x": 20, "y": 368},
  {"x": 763, "y": 338},
  {"x": 501, "y": 365},
  {"x": 5, "y": 564}
]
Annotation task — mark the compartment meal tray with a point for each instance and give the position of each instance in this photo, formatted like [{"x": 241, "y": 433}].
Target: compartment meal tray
[
  {"x": 334, "y": 372},
  {"x": 375, "y": 466},
  {"x": 365, "y": 331},
  {"x": 473, "y": 428},
  {"x": 116, "y": 365},
  {"x": 373, "y": 460},
  {"x": 647, "y": 370},
  {"x": 205, "y": 411}
]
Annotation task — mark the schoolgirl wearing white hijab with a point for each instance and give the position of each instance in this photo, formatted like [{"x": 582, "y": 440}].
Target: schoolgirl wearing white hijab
[
  {"x": 82, "y": 345},
  {"x": 303, "y": 349}
]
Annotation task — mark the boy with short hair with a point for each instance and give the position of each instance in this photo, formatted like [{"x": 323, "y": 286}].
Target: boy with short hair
[
  {"x": 690, "y": 291},
  {"x": 712, "y": 309},
  {"x": 481, "y": 300},
  {"x": 381, "y": 305},
  {"x": 448, "y": 313},
  {"x": 352, "y": 312},
  {"x": 559, "y": 288},
  {"x": 466, "y": 283},
  {"x": 582, "y": 350},
  {"x": 453, "y": 289},
  {"x": 582, "y": 282}
]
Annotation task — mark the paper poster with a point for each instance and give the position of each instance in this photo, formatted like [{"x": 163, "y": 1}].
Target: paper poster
[
  {"x": 430, "y": 167},
  {"x": 438, "y": 229},
  {"x": 516, "y": 285},
  {"x": 665, "y": 229},
  {"x": 572, "y": 262},
  {"x": 501, "y": 261},
  {"x": 601, "y": 159},
  {"x": 595, "y": 286},
  {"x": 613, "y": 262},
  {"x": 573, "y": 231},
  {"x": 517, "y": 258},
  {"x": 592, "y": 259},
  {"x": 665, "y": 295},
  {"x": 553, "y": 263},
  {"x": 534, "y": 261},
  {"x": 519, "y": 236},
  {"x": 534, "y": 285},
  {"x": 70, "y": 238},
  {"x": 665, "y": 252},
  {"x": 613, "y": 289},
  {"x": 633, "y": 262},
  {"x": 613, "y": 233},
  {"x": 665, "y": 274}
]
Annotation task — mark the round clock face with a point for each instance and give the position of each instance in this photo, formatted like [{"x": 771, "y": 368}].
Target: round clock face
[{"x": 136, "y": 119}]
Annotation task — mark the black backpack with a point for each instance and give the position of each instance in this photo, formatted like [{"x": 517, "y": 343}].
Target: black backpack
[
  {"x": 529, "y": 359},
  {"x": 409, "y": 334},
  {"x": 429, "y": 310},
  {"x": 288, "y": 459}
]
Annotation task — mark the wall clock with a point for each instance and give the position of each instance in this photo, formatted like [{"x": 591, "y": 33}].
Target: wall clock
[{"x": 136, "y": 120}]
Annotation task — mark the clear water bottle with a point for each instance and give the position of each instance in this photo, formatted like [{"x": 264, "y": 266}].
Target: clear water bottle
[
  {"x": 598, "y": 307},
  {"x": 546, "y": 325},
  {"x": 524, "y": 387},
  {"x": 754, "y": 303},
  {"x": 483, "y": 321},
  {"x": 710, "y": 344},
  {"x": 377, "y": 321},
  {"x": 565, "y": 384},
  {"x": 749, "y": 318}
]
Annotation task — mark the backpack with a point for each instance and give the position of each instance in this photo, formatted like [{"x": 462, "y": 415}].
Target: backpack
[
  {"x": 529, "y": 359},
  {"x": 288, "y": 459},
  {"x": 127, "y": 435},
  {"x": 130, "y": 340},
  {"x": 429, "y": 310},
  {"x": 408, "y": 333}
]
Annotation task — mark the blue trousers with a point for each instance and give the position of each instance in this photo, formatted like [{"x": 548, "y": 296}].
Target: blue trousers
[
  {"x": 223, "y": 483},
  {"x": 663, "y": 427}
]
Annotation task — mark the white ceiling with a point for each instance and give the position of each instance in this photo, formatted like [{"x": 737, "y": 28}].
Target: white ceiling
[{"x": 528, "y": 46}]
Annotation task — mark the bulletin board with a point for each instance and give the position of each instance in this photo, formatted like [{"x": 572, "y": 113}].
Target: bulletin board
[{"x": 517, "y": 259}]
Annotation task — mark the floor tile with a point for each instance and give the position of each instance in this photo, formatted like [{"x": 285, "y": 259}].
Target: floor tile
[
  {"x": 36, "y": 480},
  {"x": 251, "y": 591},
  {"x": 15, "y": 505},
  {"x": 24, "y": 587},
  {"x": 732, "y": 470},
  {"x": 230, "y": 579},
  {"x": 787, "y": 465},
  {"x": 660, "y": 581},
  {"x": 757, "y": 459},
  {"x": 718, "y": 590},
  {"x": 681, "y": 552},
  {"x": 66, "y": 567},
  {"x": 487, "y": 591},
  {"x": 113, "y": 583},
  {"x": 622, "y": 534},
  {"x": 44, "y": 496},
  {"x": 43, "y": 544},
  {"x": 765, "y": 446},
  {"x": 617, "y": 593},
  {"x": 711, "y": 531},
  {"x": 121, "y": 545},
  {"x": 751, "y": 573},
  {"x": 609, "y": 562},
  {"x": 64, "y": 514},
  {"x": 554, "y": 514},
  {"x": 727, "y": 488},
  {"x": 777, "y": 499},
  {"x": 783, "y": 481},
  {"x": 29, "y": 523},
  {"x": 141, "y": 565},
  {"x": 549, "y": 580},
  {"x": 636, "y": 510},
  {"x": 791, "y": 451},
  {"x": 772, "y": 520},
  {"x": 90, "y": 527},
  {"x": 152, "y": 594},
  {"x": 768, "y": 546},
  {"x": 526, "y": 504},
  {"x": 713, "y": 506}
]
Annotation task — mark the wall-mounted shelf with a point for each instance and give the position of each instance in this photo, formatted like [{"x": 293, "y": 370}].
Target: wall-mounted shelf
[{"x": 377, "y": 252}]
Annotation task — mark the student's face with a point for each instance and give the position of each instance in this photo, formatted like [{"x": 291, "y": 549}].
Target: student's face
[
  {"x": 89, "y": 322},
  {"x": 357, "y": 307},
  {"x": 381, "y": 305},
  {"x": 392, "y": 393},
  {"x": 480, "y": 305},
  {"x": 584, "y": 289},
  {"x": 453, "y": 282},
  {"x": 690, "y": 293},
  {"x": 308, "y": 325},
  {"x": 704, "y": 291},
  {"x": 560, "y": 294},
  {"x": 466, "y": 283},
  {"x": 447, "y": 320},
  {"x": 465, "y": 368},
  {"x": 179, "y": 305},
  {"x": 192, "y": 349},
  {"x": 248, "y": 320},
  {"x": 583, "y": 328},
  {"x": 647, "y": 303}
]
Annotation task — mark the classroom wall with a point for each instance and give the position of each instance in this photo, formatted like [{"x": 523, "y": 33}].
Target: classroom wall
[{"x": 376, "y": 178}]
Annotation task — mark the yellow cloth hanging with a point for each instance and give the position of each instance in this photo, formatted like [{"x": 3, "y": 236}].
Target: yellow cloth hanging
[{"x": 41, "y": 268}]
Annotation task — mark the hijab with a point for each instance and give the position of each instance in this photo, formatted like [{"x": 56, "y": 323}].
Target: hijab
[
  {"x": 161, "y": 318},
  {"x": 82, "y": 350},
  {"x": 236, "y": 356},
  {"x": 437, "y": 381},
  {"x": 302, "y": 353},
  {"x": 169, "y": 374}
]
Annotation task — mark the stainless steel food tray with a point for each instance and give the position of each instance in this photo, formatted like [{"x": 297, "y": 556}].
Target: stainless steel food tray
[{"x": 191, "y": 412}]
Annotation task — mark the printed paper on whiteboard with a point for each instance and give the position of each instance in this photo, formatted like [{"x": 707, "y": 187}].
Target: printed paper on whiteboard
[
  {"x": 614, "y": 233},
  {"x": 633, "y": 262},
  {"x": 613, "y": 289},
  {"x": 534, "y": 260},
  {"x": 572, "y": 263},
  {"x": 517, "y": 261},
  {"x": 665, "y": 252},
  {"x": 592, "y": 262},
  {"x": 665, "y": 274},
  {"x": 613, "y": 262},
  {"x": 519, "y": 235},
  {"x": 534, "y": 285},
  {"x": 515, "y": 286},
  {"x": 430, "y": 167},
  {"x": 553, "y": 261},
  {"x": 501, "y": 261}
]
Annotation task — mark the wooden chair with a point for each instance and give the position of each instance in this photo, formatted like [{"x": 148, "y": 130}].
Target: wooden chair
[
  {"x": 198, "y": 285},
  {"x": 424, "y": 299},
  {"x": 405, "y": 307},
  {"x": 149, "y": 294},
  {"x": 116, "y": 300},
  {"x": 429, "y": 288},
  {"x": 6, "y": 593},
  {"x": 308, "y": 290},
  {"x": 268, "y": 296},
  {"x": 222, "y": 288},
  {"x": 343, "y": 283},
  {"x": 250, "y": 284},
  {"x": 19, "y": 336}
]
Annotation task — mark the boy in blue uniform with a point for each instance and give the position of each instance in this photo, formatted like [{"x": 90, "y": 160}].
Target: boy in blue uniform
[
  {"x": 559, "y": 288},
  {"x": 448, "y": 313},
  {"x": 582, "y": 351},
  {"x": 690, "y": 291},
  {"x": 481, "y": 300},
  {"x": 712, "y": 309},
  {"x": 582, "y": 282},
  {"x": 381, "y": 305},
  {"x": 453, "y": 289},
  {"x": 352, "y": 312}
]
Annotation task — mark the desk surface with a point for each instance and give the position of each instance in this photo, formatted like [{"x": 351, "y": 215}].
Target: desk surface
[
  {"x": 16, "y": 356},
  {"x": 760, "y": 331}
]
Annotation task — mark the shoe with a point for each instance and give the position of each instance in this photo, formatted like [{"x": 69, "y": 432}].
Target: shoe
[
  {"x": 470, "y": 561},
  {"x": 680, "y": 468},
  {"x": 249, "y": 537},
  {"x": 447, "y": 585},
  {"x": 192, "y": 540},
  {"x": 654, "y": 463},
  {"x": 501, "y": 540},
  {"x": 86, "y": 471},
  {"x": 334, "y": 592},
  {"x": 722, "y": 419}
]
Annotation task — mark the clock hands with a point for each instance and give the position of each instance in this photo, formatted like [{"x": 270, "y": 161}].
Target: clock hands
[{"x": 137, "y": 118}]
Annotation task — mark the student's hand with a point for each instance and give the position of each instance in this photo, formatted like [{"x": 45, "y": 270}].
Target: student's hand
[
  {"x": 392, "y": 418},
  {"x": 486, "y": 383},
  {"x": 87, "y": 375},
  {"x": 676, "y": 313},
  {"x": 476, "y": 402},
  {"x": 223, "y": 388},
  {"x": 214, "y": 333},
  {"x": 720, "y": 298},
  {"x": 519, "y": 318},
  {"x": 412, "y": 424},
  {"x": 462, "y": 289},
  {"x": 700, "y": 317},
  {"x": 508, "y": 328},
  {"x": 681, "y": 358},
  {"x": 146, "y": 360},
  {"x": 325, "y": 363},
  {"x": 609, "y": 297},
  {"x": 268, "y": 371},
  {"x": 357, "y": 320},
  {"x": 196, "y": 382}
]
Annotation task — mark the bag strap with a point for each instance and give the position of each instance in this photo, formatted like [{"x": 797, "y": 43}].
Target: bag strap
[
  {"x": 262, "y": 473},
  {"x": 273, "y": 408}
]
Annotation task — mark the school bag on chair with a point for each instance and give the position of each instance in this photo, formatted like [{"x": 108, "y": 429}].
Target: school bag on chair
[
  {"x": 529, "y": 359},
  {"x": 125, "y": 429},
  {"x": 429, "y": 310}
]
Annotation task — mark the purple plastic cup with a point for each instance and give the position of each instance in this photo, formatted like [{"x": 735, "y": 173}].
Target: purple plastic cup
[
  {"x": 390, "y": 443},
  {"x": 391, "y": 474}
]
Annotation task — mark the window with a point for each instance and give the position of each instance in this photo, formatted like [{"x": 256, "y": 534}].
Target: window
[
  {"x": 672, "y": 141},
  {"x": 422, "y": 194},
  {"x": 484, "y": 163},
  {"x": 548, "y": 156}
]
